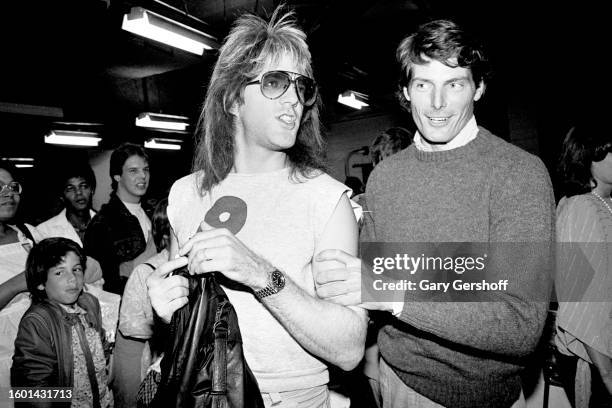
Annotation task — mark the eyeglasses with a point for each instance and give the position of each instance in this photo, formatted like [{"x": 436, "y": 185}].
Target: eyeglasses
[
  {"x": 274, "y": 84},
  {"x": 11, "y": 188}
]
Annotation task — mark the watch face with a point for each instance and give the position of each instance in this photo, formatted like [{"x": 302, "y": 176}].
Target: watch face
[{"x": 278, "y": 279}]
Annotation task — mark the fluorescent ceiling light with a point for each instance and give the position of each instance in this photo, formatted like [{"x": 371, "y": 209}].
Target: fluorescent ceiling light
[
  {"x": 18, "y": 159},
  {"x": 72, "y": 138},
  {"x": 160, "y": 121},
  {"x": 350, "y": 99},
  {"x": 164, "y": 144},
  {"x": 20, "y": 162},
  {"x": 156, "y": 27}
]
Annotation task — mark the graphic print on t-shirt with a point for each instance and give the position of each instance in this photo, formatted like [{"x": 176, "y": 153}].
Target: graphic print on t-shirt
[{"x": 228, "y": 212}]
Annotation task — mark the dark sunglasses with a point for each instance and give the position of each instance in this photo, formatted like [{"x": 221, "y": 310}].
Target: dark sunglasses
[{"x": 274, "y": 84}]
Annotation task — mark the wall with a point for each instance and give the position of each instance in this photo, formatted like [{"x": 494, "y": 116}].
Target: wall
[{"x": 99, "y": 162}]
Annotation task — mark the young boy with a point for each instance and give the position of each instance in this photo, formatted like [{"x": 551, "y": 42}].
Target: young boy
[{"x": 60, "y": 342}]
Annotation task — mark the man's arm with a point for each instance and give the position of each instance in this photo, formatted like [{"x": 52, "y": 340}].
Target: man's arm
[
  {"x": 11, "y": 288},
  {"x": 332, "y": 332},
  {"x": 510, "y": 323}
]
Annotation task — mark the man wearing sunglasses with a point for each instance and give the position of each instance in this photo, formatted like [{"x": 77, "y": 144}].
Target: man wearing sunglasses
[
  {"x": 457, "y": 183},
  {"x": 258, "y": 208}
]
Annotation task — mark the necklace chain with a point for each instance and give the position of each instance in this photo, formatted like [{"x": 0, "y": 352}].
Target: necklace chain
[{"x": 603, "y": 201}]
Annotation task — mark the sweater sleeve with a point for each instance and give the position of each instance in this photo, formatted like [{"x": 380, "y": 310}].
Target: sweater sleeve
[{"x": 521, "y": 235}]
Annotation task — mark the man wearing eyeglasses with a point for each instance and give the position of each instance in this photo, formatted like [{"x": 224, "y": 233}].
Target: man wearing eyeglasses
[
  {"x": 457, "y": 183},
  {"x": 258, "y": 207}
]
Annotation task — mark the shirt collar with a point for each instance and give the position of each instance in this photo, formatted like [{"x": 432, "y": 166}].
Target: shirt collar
[
  {"x": 76, "y": 309},
  {"x": 465, "y": 136}
]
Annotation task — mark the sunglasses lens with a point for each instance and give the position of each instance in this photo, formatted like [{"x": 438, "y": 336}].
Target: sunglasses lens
[
  {"x": 274, "y": 84},
  {"x": 15, "y": 187},
  {"x": 306, "y": 90}
]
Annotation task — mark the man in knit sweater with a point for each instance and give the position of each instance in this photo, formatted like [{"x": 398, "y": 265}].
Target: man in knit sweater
[{"x": 456, "y": 183}]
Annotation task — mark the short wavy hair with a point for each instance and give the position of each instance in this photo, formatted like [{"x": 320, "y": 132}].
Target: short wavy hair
[
  {"x": 76, "y": 168},
  {"x": 251, "y": 44},
  {"x": 443, "y": 41},
  {"x": 45, "y": 255},
  {"x": 582, "y": 146}
]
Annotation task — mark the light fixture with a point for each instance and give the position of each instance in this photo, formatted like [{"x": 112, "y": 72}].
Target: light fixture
[
  {"x": 349, "y": 98},
  {"x": 72, "y": 138},
  {"x": 146, "y": 23},
  {"x": 161, "y": 121},
  {"x": 163, "y": 144},
  {"x": 21, "y": 162}
]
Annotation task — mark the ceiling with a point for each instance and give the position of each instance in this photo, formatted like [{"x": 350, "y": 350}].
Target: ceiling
[{"x": 73, "y": 55}]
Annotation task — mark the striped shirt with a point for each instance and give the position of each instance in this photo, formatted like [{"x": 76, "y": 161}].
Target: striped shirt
[{"x": 584, "y": 219}]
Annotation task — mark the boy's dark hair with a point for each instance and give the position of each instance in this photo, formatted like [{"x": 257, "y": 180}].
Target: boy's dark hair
[
  {"x": 76, "y": 169},
  {"x": 120, "y": 155},
  {"x": 45, "y": 255}
]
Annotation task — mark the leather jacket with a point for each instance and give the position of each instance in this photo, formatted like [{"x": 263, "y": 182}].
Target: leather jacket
[
  {"x": 43, "y": 347},
  {"x": 204, "y": 364},
  {"x": 112, "y": 237}
]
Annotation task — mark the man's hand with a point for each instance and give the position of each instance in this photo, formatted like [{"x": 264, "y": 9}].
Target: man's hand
[
  {"x": 168, "y": 293},
  {"x": 217, "y": 249},
  {"x": 343, "y": 285}
]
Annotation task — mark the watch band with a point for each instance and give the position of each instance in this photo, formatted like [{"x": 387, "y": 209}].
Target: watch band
[{"x": 276, "y": 282}]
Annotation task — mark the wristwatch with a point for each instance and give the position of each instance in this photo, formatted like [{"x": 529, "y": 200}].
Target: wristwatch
[{"x": 276, "y": 282}]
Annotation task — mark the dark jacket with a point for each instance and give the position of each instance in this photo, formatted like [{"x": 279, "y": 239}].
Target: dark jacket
[
  {"x": 112, "y": 237},
  {"x": 43, "y": 347}
]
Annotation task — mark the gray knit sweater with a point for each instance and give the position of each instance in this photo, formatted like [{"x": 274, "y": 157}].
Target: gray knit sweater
[{"x": 464, "y": 354}]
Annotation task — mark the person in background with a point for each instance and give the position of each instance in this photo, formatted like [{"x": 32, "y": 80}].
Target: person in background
[
  {"x": 60, "y": 341},
  {"x": 119, "y": 236},
  {"x": 388, "y": 143},
  {"x": 136, "y": 344},
  {"x": 584, "y": 218},
  {"x": 16, "y": 239},
  {"x": 259, "y": 161},
  {"x": 385, "y": 144},
  {"x": 76, "y": 184},
  {"x": 456, "y": 183}
]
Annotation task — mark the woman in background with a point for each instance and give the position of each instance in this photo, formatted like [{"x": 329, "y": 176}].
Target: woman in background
[
  {"x": 584, "y": 283},
  {"x": 16, "y": 239}
]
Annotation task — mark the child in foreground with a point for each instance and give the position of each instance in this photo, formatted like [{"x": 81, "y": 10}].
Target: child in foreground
[{"x": 60, "y": 341}]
